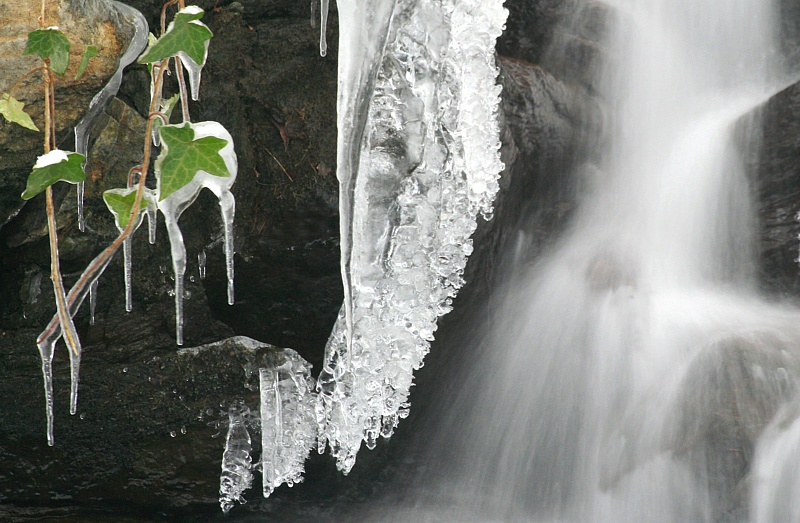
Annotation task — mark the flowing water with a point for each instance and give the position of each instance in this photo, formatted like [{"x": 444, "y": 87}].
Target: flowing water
[{"x": 634, "y": 373}]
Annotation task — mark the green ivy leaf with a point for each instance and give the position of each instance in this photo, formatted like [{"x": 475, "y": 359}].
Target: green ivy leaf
[
  {"x": 185, "y": 34},
  {"x": 120, "y": 203},
  {"x": 50, "y": 44},
  {"x": 13, "y": 111},
  {"x": 88, "y": 54},
  {"x": 52, "y": 167},
  {"x": 182, "y": 157}
]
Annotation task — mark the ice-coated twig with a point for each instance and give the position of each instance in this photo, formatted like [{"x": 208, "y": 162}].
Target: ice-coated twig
[{"x": 98, "y": 104}]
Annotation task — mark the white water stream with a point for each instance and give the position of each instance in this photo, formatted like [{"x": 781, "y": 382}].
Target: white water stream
[{"x": 634, "y": 373}]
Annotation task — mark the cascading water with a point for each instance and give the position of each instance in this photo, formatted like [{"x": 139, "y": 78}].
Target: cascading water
[{"x": 634, "y": 372}]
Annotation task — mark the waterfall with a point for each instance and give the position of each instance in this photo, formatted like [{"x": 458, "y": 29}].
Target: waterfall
[{"x": 633, "y": 373}]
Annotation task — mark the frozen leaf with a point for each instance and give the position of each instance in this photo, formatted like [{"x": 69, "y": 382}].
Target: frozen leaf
[
  {"x": 88, "y": 54},
  {"x": 13, "y": 111},
  {"x": 182, "y": 157},
  {"x": 185, "y": 34},
  {"x": 50, "y": 44},
  {"x": 52, "y": 167},
  {"x": 120, "y": 203}
]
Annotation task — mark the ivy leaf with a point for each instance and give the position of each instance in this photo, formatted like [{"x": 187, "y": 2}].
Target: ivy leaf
[
  {"x": 52, "y": 167},
  {"x": 13, "y": 111},
  {"x": 50, "y": 44},
  {"x": 182, "y": 157},
  {"x": 88, "y": 54},
  {"x": 120, "y": 203},
  {"x": 185, "y": 34}
]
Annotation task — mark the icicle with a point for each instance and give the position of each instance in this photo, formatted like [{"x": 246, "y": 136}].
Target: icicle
[
  {"x": 314, "y": 13},
  {"x": 46, "y": 353},
  {"x": 418, "y": 159},
  {"x": 194, "y": 71},
  {"x": 92, "y": 301},
  {"x": 288, "y": 423},
  {"x": 128, "y": 264},
  {"x": 228, "y": 207},
  {"x": 271, "y": 429},
  {"x": 236, "y": 474},
  {"x": 323, "y": 27},
  {"x": 173, "y": 206},
  {"x": 74, "y": 371},
  {"x": 178, "y": 253},
  {"x": 81, "y": 192},
  {"x": 152, "y": 221},
  {"x": 201, "y": 264},
  {"x": 98, "y": 104}
]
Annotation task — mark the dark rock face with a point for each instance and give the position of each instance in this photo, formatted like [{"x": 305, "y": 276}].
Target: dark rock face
[{"x": 777, "y": 166}]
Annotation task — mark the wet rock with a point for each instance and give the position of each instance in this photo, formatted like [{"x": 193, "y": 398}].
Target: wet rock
[
  {"x": 776, "y": 166},
  {"x": 549, "y": 130},
  {"x": 84, "y": 23},
  {"x": 150, "y": 421}
]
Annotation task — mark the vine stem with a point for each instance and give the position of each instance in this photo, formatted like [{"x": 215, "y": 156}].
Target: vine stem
[
  {"x": 91, "y": 273},
  {"x": 68, "y": 327}
]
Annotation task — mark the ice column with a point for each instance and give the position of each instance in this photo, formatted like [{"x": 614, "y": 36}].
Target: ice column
[
  {"x": 288, "y": 423},
  {"x": 418, "y": 159},
  {"x": 236, "y": 462}
]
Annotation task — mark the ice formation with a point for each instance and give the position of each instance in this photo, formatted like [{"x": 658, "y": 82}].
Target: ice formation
[
  {"x": 323, "y": 27},
  {"x": 288, "y": 422},
  {"x": 98, "y": 104},
  {"x": 418, "y": 159},
  {"x": 47, "y": 339},
  {"x": 237, "y": 463},
  {"x": 173, "y": 206}
]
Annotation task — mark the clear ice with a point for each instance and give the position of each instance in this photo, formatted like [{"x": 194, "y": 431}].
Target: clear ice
[
  {"x": 173, "y": 206},
  {"x": 98, "y": 104},
  {"x": 323, "y": 27},
  {"x": 288, "y": 421},
  {"x": 418, "y": 159},
  {"x": 237, "y": 463}
]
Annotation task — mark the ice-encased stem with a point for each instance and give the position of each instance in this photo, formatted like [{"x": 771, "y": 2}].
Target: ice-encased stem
[
  {"x": 98, "y": 104},
  {"x": 46, "y": 353},
  {"x": 128, "y": 267},
  {"x": 92, "y": 301},
  {"x": 236, "y": 475}
]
